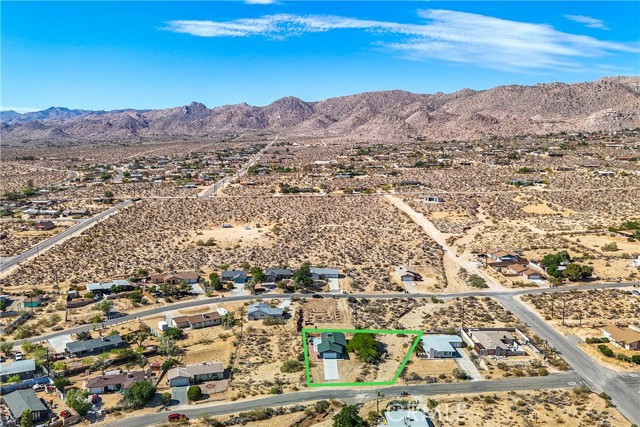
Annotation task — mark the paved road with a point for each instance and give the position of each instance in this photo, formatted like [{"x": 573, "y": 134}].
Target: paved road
[
  {"x": 625, "y": 395},
  {"x": 197, "y": 302},
  {"x": 47, "y": 244},
  {"x": 358, "y": 394},
  {"x": 225, "y": 181}
]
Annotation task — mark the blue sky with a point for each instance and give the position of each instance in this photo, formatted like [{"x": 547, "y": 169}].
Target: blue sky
[{"x": 96, "y": 55}]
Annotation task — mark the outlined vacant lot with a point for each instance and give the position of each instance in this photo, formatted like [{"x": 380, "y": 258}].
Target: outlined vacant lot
[{"x": 305, "y": 331}]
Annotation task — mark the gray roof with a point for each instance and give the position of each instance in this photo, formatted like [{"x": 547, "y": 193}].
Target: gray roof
[
  {"x": 17, "y": 367},
  {"x": 324, "y": 271},
  {"x": 107, "y": 286},
  {"x": 265, "y": 308},
  {"x": 232, "y": 274},
  {"x": 94, "y": 344},
  {"x": 99, "y": 286},
  {"x": 191, "y": 371},
  {"x": 21, "y": 400},
  {"x": 278, "y": 272},
  {"x": 440, "y": 342}
]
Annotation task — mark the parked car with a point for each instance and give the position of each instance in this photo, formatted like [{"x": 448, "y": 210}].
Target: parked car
[
  {"x": 174, "y": 418},
  {"x": 65, "y": 414},
  {"x": 95, "y": 399},
  {"x": 18, "y": 356},
  {"x": 316, "y": 296}
]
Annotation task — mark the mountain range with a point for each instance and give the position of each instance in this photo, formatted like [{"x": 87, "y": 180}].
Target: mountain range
[{"x": 607, "y": 104}]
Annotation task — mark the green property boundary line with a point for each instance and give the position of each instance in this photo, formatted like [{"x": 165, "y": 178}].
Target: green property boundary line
[{"x": 361, "y": 331}]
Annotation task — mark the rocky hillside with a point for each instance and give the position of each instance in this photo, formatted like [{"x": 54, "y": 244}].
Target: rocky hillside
[{"x": 607, "y": 104}]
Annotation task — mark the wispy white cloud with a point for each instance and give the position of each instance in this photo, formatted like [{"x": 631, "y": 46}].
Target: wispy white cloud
[
  {"x": 588, "y": 21},
  {"x": 443, "y": 34}
]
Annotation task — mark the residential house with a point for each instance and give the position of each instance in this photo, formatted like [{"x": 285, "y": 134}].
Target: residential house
[
  {"x": 525, "y": 271},
  {"x": 197, "y": 321},
  {"x": 106, "y": 288},
  {"x": 25, "y": 369},
  {"x": 605, "y": 173},
  {"x": 434, "y": 199},
  {"x": 440, "y": 346},
  {"x": 45, "y": 226},
  {"x": 236, "y": 276},
  {"x": 190, "y": 374},
  {"x": 408, "y": 275},
  {"x": 262, "y": 310},
  {"x": 278, "y": 274},
  {"x": 22, "y": 400},
  {"x": 503, "y": 256},
  {"x": 119, "y": 381},
  {"x": 75, "y": 212},
  {"x": 93, "y": 346},
  {"x": 333, "y": 345},
  {"x": 626, "y": 338},
  {"x": 175, "y": 277},
  {"x": 495, "y": 341},
  {"x": 324, "y": 273},
  {"x": 31, "y": 302}
]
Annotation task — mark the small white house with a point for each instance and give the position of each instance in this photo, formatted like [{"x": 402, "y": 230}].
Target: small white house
[
  {"x": 434, "y": 199},
  {"x": 187, "y": 375},
  {"x": 441, "y": 346},
  {"x": 324, "y": 273},
  {"x": 163, "y": 326}
]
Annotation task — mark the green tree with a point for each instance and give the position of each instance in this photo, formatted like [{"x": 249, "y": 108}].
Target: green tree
[
  {"x": 257, "y": 274},
  {"x": 13, "y": 379},
  {"x": 348, "y": 417},
  {"x": 61, "y": 383},
  {"x": 139, "y": 394},
  {"x": 577, "y": 271},
  {"x": 83, "y": 335},
  {"x": 215, "y": 281},
  {"x": 140, "y": 336},
  {"x": 168, "y": 364},
  {"x": 104, "y": 306},
  {"x": 194, "y": 393},
  {"x": 100, "y": 363},
  {"x": 6, "y": 348},
  {"x": 3, "y": 306},
  {"x": 166, "y": 398},
  {"x": 175, "y": 334},
  {"x": 77, "y": 400},
  {"x": 365, "y": 346},
  {"x": 26, "y": 418},
  {"x": 228, "y": 320},
  {"x": 168, "y": 347},
  {"x": 60, "y": 366},
  {"x": 302, "y": 277},
  {"x": 551, "y": 262},
  {"x": 250, "y": 285}
]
